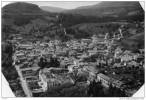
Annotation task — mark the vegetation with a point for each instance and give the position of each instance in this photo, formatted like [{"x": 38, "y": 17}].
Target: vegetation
[
  {"x": 96, "y": 89},
  {"x": 8, "y": 69},
  {"x": 52, "y": 63},
  {"x": 115, "y": 92}
]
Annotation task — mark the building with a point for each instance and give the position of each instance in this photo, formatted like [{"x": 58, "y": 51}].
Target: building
[
  {"x": 54, "y": 80},
  {"x": 107, "y": 81},
  {"x": 126, "y": 57},
  {"x": 92, "y": 52},
  {"x": 104, "y": 79}
]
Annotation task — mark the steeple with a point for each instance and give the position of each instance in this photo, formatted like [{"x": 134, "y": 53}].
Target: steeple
[
  {"x": 64, "y": 31},
  {"x": 106, "y": 37},
  {"x": 120, "y": 31}
]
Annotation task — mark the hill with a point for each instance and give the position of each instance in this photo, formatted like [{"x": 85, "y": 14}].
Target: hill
[
  {"x": 103, "y": 12},
  {"x": 21, "y": 7},
  {"x": 21, "y": 13},
  {"x": 25, "y": 18},
  {"x": 113, "y": 9},
  {"x": 134, "y": 42},
  {"x": 52, "y": 9}
]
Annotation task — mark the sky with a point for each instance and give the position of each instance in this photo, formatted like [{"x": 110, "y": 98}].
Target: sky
[{"x": 61, "y": 4}]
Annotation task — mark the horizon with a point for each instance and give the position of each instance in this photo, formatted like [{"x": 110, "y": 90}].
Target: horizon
[{"x": 63, "y": 4}]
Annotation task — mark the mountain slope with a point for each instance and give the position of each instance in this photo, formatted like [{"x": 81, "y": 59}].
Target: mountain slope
[
  {"x": 134, "y": 42},
  {"x": 105, "y": 11},
  {"x": 20, "y": 8},
  {"x": 52, "y": 9},
  {"x": 106, "y": 8},
  {"x": 20, "y": 13}
]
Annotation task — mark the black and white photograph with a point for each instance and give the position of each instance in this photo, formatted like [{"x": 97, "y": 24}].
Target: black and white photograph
[{"x": 73, "y": 48}]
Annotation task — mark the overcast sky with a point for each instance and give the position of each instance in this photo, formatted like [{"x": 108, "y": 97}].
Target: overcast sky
[
  {"x": 61, "y": 4},
  {"x": 64, "y": 4}
]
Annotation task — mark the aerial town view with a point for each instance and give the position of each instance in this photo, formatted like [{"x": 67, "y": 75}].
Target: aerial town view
[{"x": 94, "y": 50}]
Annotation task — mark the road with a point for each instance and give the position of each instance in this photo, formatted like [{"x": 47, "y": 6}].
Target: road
[{"x": 23, "y": 82}]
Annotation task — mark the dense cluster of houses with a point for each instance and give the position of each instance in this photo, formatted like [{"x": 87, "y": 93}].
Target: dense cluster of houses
[{"x": 78, "y": 58}]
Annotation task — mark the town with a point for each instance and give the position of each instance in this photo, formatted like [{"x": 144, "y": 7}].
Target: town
[{"x": 74, "y": 67}]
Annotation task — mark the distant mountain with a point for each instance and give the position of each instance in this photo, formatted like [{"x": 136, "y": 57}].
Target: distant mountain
[
  {"x": 21, "y": 8},
  {"x": 108, "y": 8},
  {"x": 52, "y": 9},
  {"x": 105, "y": 11},
  {"x": 20, "y": 13}
]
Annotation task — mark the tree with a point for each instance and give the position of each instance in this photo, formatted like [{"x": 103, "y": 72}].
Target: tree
[
  {"x": 96, "y": 89},
  {"x": 115, "y": 92},
  {"x": 54, "y": 62},
  {"x": 110, "y": 90},
  {"x": 8, "y": 69},
  {"x": 42, "y": 63}
]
